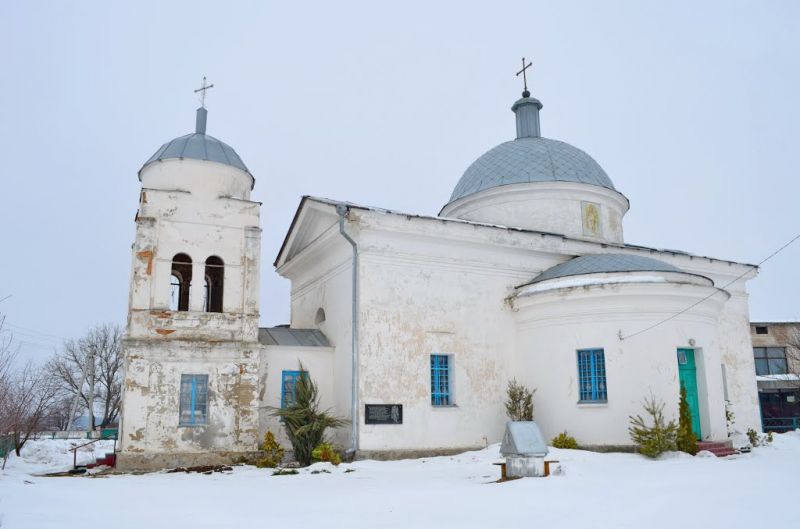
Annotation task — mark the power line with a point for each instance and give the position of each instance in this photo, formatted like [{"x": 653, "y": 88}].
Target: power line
[
  {"x": 723, "y": 287},
  {"x": 30, "y": 335},
  {"x": 28, "y": 330}
]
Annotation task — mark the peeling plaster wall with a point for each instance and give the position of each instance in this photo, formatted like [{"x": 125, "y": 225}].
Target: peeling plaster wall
[
  {"x": 150, "y": 430},
  {"x": 422, "y": 294},
  {"x": 201, "y": 209}
]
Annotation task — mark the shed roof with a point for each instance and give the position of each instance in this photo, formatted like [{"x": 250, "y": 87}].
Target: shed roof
[{"x": 292, "y": 337}]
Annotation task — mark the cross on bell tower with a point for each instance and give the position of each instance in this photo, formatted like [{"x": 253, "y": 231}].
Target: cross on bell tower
[
  {"x": 202, "y": 113},
  {"x": 204, "y": 88},
  {"x": 525, "y": 93}
]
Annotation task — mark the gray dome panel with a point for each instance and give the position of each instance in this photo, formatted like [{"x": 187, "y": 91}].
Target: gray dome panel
[
  {"x": 530, "y": 159},
  {"x": 198, "y": 147},
  {"x": 605, "y": 263}
]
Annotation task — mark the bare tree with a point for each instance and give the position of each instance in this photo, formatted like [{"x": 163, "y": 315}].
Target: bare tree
[
  {"x": 793, "y": 355},
  {"x": 104, "y": 342},
  {"x": 6, "y": 364},
  {"x": 31, "y": 395}
]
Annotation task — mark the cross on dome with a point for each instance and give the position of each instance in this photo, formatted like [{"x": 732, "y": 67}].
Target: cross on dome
[{"x": 525, "y": 93}]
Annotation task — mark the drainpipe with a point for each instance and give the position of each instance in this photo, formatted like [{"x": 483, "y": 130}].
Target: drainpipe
[{"x": 341, "y": 209}]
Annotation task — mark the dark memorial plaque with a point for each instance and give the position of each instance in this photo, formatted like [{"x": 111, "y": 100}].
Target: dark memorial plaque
[{"x": 383, "y": 413}]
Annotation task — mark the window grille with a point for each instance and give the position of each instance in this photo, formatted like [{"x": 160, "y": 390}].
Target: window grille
[
  {"x": 289, "y": 386},
  {"x": 592, "y": 375},
  {"x": 194, "y": 400},
  {"x": 440, "y": 380}
]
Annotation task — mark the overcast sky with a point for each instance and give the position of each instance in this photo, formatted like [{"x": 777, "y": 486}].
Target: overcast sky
[{"x": 691, "y": 108}]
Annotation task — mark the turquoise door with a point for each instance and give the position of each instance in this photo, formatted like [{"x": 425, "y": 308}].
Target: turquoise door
[{"x": 687, "y": 373}]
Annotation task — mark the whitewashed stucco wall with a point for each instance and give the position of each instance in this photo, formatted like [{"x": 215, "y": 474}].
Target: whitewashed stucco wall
[
  {"x": 317, "y": 361},
  {"x": 436, "y": 286},
  {"x": 553, "y": 325}
]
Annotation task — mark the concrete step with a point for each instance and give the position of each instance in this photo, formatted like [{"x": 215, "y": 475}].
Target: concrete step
[{"x": 718, "y": 448}]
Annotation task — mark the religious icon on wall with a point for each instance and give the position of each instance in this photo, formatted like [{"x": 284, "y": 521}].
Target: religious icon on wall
[{"x": 591, "y": 218}]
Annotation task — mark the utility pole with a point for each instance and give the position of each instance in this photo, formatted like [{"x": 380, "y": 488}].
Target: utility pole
[
  {"x": 90, "y": 369},
  {"x": 87, "y": 371}
]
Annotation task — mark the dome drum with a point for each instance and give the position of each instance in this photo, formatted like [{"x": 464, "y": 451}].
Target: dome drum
[{"x": 566, "y": 208}]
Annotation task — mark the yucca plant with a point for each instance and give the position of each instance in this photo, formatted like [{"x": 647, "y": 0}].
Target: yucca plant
[{"x": 305, "y": 423}]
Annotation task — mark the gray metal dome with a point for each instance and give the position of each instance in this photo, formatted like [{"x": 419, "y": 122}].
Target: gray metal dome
[
  {"x": 530, "y": 158},
  {"x": 605, "y": 263},
  {"x": 198, "y": 146}
]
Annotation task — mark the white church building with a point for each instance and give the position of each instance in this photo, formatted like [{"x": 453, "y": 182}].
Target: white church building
[{"x": 412, "y": 325}]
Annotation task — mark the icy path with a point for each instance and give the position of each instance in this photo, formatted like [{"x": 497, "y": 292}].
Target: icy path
[{"x": 598, "y": 490}]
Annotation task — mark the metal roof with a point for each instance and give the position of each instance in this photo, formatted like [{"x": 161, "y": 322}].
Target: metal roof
[
  {"x": 449, "y": 220},
  {"x": 523, "y": 438},
  {"x": 198, "y": 146},
  {"x": 526, "y": 160},
  {"x": 604, "y": 263},
  {"x": 292, "y": 337},
  {"x": 530, "y": 158}
]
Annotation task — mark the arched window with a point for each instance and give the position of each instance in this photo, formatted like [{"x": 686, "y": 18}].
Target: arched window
[
  {"x": 320, "y": 317},
  {"x": 180, "y": 280},
  {"x": 215, "y": 279}
]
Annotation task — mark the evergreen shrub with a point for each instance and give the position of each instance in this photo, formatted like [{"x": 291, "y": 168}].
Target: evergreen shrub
[
  {"x": 686, "y": 440},
  {"x": 519, "y": 402},
  {"x": 656, "y": 439},
  {"x": 326, "y": 452},
  {"x": 758, "y": 440},
  {"x": 273, "y": 453},
  {"x": 564, "y": 440}
]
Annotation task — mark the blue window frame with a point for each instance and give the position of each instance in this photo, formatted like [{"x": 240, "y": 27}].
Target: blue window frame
[
  {"x": 194, "y": 400},
  {"x": 592, "y": 375},
  {"x": 288, "y": 386},
  {"x": 441, "y": 381}
]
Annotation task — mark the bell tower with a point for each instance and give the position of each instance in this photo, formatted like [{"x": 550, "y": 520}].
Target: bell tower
[{"x": 191, "y": 344}]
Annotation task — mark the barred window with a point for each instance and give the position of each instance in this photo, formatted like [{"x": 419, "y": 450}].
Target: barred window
[
  {"x": 194, "y": 400},
  {"x": 289, "y": 386},
  {"x": 592, "y": 375},
  {"x": 441, "y": 381}
]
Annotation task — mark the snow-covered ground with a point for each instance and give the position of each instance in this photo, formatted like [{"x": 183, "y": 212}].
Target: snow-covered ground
[{"x": 597, "y": 490}]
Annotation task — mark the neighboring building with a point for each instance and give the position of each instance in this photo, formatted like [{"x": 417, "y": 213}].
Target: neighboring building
[
  {"x": 413, "y": 324},
  {"x": 776, "y": 350}
]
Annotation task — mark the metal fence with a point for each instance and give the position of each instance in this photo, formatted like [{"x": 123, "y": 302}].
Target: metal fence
[
  {"x": 6, "y": 445},
  {"x": 780, "y": 424}
]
